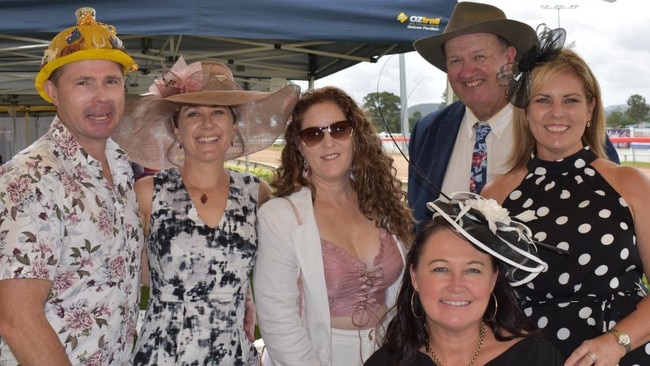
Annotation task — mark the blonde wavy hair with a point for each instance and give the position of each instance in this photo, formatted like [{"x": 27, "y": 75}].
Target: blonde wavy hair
[{"x": 594, "y": 136}]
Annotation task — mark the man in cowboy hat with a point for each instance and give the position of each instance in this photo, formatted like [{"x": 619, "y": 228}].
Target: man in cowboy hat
[
  {"x": 478, "y": 42},
  {"x": 70, "y": 238}
]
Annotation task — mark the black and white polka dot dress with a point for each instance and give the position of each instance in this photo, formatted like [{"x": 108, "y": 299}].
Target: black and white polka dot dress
[{"x": 583, "y": 293}]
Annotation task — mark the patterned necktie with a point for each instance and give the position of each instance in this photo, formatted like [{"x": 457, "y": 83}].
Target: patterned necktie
[{"x": 478, "y": 174}]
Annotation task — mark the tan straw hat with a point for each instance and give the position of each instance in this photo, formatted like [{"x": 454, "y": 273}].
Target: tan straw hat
[
  {"x": 88, "y": 40},
  {"x": 469, "y": 17},
  {"x": 146, "y": 132}
]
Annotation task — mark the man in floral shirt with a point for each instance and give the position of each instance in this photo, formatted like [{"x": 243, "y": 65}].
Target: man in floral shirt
[{"x": 70, "y": 237}]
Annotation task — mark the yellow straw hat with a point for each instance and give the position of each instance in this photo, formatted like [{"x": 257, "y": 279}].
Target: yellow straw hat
[{"x": 88, "y": 40}]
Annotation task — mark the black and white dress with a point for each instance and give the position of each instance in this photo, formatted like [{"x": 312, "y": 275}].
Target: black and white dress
[
  {"x": 583, "y": 293},
  {"x": 199, "y": 277}
]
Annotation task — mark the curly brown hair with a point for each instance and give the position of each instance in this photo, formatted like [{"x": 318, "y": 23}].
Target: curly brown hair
[{"x": 380, "y": 194}]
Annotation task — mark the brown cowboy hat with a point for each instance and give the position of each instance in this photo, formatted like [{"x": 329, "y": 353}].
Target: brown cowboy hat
[{"x": 469, "y": 17}]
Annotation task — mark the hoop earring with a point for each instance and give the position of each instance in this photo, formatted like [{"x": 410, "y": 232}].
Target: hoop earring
[
  {"x": 496, "y": 308},
  {"x": 413, "y": 306}
]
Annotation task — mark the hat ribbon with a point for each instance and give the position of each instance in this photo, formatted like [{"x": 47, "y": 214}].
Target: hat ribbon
[{"x": 181, "y": 78}]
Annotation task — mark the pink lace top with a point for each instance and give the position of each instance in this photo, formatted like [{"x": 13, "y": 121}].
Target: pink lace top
[{"x": 355, "y": 290}]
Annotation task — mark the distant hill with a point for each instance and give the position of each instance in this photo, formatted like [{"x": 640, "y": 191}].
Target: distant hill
[
  {"x": 616, "y": 108},
  {"x": 424, "y": 108}
]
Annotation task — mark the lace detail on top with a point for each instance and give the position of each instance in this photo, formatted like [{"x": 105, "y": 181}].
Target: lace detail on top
[{"x": 352, "y": 289}]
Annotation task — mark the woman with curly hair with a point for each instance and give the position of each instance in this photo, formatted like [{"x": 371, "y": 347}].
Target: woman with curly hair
[{"x": 331, "y": 244}]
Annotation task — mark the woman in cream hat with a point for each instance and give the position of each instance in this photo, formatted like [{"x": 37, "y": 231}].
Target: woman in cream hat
[{"x": 199, "y": 217}]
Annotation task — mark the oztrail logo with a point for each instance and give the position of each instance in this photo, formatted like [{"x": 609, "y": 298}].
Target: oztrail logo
[{"x": 420, "y": 22}]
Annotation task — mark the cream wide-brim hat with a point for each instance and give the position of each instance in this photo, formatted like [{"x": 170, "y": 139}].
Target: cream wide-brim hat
[{"x": 146, "y": 134}]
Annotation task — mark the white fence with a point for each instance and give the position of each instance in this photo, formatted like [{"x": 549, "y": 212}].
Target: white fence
[{"x": 632, "y": 144}]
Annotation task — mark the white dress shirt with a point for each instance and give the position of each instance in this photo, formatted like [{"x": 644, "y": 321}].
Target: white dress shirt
[{"x": 499, "y": 143}]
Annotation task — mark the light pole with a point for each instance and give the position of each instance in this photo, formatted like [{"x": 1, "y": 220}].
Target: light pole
[{"x": 559, "y": 7}]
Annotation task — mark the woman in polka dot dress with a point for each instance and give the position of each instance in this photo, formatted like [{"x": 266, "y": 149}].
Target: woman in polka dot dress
[{"x": 591, "y": 302}]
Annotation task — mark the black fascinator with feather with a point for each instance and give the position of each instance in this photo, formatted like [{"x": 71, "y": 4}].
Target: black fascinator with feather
[{"x": 516, "y": 77}]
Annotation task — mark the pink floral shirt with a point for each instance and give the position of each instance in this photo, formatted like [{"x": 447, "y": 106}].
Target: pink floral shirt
[{"x": 61, "y": 221}]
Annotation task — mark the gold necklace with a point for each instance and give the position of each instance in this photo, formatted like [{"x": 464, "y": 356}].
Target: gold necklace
[{"x": 471, "y": 362}]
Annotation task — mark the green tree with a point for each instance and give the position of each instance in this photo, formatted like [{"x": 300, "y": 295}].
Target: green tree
[
  {"x": 384, "y": 110},
  {"x": 618, "y": 119},
  {"x": 638, "y": 111},
  {"x": 416, "y": 116},
  {"x": 444, "y": 99}
]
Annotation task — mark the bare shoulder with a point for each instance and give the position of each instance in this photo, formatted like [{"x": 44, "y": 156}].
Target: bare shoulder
[
  {"x": 631, "y": 183},
  {"x": 144, "y": 193},
  {"x": 144, "y": 186},
  {"x": 500, "y": 187},
  {"x": 622, "y": 177}
]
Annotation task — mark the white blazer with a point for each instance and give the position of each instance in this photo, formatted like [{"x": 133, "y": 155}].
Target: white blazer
[{"x": 295, "y": 324}]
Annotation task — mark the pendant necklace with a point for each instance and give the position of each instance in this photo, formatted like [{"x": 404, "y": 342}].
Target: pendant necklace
[
  {"x": 204, "y": 196},
  {"x": 471, "y": 362}
]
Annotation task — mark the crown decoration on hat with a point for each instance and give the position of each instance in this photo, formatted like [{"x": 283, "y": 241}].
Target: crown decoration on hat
[
  {"x": 516, "y": 77},
  {"x": 489, "y": 226},
  {"x": 88, "y": 40},
  {"x": 88, "y": 34}
]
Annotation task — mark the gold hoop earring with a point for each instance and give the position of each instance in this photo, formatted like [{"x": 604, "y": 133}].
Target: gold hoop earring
[
  {"x": 496, "y": 308},
  {"x": 413, "y": 306}
]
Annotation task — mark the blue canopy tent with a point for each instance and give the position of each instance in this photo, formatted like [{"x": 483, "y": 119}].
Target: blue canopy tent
[
  {"x": 288, "y": 39},
  {"x": 264, "y": 42}
]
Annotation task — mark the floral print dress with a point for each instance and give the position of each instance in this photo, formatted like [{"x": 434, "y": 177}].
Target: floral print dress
[{"x": 199, "y": 277}]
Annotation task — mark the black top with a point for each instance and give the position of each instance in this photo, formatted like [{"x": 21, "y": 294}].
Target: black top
[{"x": 528, "y": 351}]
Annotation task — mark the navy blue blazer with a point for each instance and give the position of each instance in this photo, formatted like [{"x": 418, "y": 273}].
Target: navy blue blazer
[{"x": 430, "y": 146}]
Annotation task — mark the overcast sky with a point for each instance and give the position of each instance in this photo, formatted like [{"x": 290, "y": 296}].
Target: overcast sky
[{"x": 614, "y": 38}]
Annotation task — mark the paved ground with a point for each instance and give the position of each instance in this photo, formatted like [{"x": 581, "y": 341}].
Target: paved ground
[{"x": 271, "y": 157}]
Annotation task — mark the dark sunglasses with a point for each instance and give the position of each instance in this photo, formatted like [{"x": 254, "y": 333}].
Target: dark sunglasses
[{"x": 313, "y": 136}]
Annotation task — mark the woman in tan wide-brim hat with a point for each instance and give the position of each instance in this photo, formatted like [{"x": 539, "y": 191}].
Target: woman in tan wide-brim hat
[{"x": 199, "y": 217}]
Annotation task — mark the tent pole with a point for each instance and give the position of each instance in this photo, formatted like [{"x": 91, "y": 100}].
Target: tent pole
[{"x": 402, "y": 95}]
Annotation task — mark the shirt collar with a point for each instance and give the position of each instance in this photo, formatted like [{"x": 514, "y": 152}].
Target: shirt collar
[
  {"x": 498, "y": 123},
  {"x": 69, "y": 149}
]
